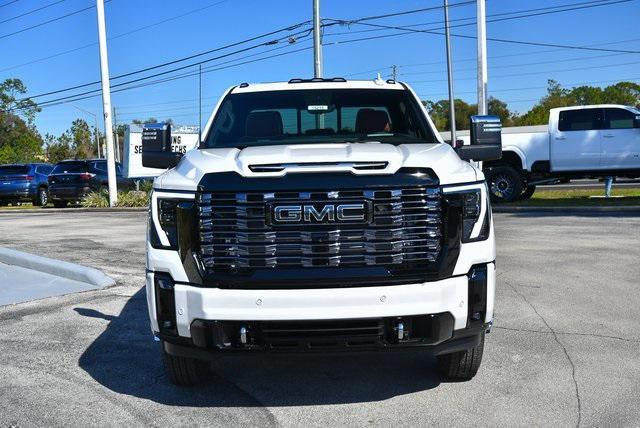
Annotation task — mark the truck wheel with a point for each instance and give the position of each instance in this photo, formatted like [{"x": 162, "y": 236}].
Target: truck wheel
[
  {"x": 505, "y": 184},
  {"x": 60, "y": 204},
  {"x": 42, "y": 199},
  {"x": 461, "y": 365},
  {"x": 527, "y": 193},
  {"x": 185, "y": 371}
]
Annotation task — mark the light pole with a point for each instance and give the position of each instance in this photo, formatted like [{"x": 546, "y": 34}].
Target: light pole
[
  {"x": 106, "y": 104},
  {"x": 317, "y": 46},
  {"x": 482, "y": 57},
  {"x": 452, "y": 107}
]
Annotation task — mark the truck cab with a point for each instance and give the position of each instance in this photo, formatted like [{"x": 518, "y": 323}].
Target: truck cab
[{"x": 320, "y": 215}]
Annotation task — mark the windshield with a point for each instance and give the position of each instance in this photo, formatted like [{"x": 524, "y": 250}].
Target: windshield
[
  {"x": 318, "y": 116},
  {"x": 14, "y": 170},
  {"x": 70, "y": 168}
]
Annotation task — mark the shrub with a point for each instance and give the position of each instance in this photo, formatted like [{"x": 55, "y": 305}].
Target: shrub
[{"x": 100, "y": 199}]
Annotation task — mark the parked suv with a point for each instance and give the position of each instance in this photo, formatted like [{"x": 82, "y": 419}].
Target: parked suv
[
  {"x": 72, "y": 180},
  {"x": 320, "y": 215},
  {"x": 24, "y": 183}
]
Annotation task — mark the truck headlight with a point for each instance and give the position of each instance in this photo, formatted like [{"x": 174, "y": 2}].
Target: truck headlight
[
  {"x": 166, "y": 215},
  {"x": 476, "y": 211}
]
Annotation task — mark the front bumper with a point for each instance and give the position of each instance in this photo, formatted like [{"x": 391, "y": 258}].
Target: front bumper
[{"x": 195, "y": 313}]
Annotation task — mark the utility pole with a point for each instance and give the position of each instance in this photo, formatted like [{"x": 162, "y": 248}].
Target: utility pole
[
  {"x": 482, "y": 57},
  {"x": 452, "y": 108},
  {"x": 115, "y": 129},
  {"x": 199, "y": 104},
  {"x": 106, "y": 104},
  {"x": 394, "y": 72},
  {"x": 317, "y": 46}
]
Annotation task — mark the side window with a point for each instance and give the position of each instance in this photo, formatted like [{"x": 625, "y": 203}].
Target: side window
[
  {"x": 580, "y": 120},
  {"x": 618, "y": 118}
]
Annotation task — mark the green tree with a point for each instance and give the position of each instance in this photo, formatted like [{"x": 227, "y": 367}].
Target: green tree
[
  {"x": 439, "y": 112},
  {"x": 19, "y": 139},
  {"x": 12, "y": 100},
  {"x": 56, "y": 149},
  {"x": 81, "y": 136}
]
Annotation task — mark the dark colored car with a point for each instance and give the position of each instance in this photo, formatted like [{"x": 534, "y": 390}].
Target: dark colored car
[
  {"x": 24, "y": 183},
  {"x": 72, "y": 180}
]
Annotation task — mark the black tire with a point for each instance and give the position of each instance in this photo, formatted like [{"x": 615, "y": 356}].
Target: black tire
[
  {"x": 462, "y": 365},
  {"x": 185, "y": 371},
  {"x": 42, "y": 198},
  {"x": 505, "y": 184},
  {"x": 527, "y": 193},
  {"x": 60, "y": 204}
]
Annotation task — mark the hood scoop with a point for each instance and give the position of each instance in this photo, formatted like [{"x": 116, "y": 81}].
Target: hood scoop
[
  {"x": 356, "y": 158},
  {"x": 318, "y": 166}
]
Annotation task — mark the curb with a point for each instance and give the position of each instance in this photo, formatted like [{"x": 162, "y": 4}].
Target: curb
[
  {"x": 78, "y": 209},
  {"x": 567, "y": 209},
  {"x": 55, "y": 267}
]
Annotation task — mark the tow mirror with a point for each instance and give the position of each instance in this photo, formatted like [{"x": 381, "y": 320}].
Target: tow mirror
[
  {"x": 485, "y": 139},
  {"x": 156, "y": 146}
]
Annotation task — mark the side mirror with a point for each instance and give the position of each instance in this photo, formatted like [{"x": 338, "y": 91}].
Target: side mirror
[
  {"x": 156, "y": 146},
  {"x": 485, "y": 139},
  {"x": 636, "y": 121}
]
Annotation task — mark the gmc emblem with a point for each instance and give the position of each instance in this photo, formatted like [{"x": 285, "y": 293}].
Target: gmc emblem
[{"x": 356, "y": 212}]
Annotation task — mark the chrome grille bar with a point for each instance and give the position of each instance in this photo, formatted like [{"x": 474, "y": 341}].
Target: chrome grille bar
[{"x": 405, "y": 231}]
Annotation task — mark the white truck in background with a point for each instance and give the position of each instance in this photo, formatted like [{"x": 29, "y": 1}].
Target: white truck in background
[{"x": 579, "y": 142}]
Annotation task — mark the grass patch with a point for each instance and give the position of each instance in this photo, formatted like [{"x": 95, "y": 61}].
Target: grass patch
[
  {"x": 581, "y": 197},
  {"x": 22, "y": 206},
  {"x": 127, "y": 199}
]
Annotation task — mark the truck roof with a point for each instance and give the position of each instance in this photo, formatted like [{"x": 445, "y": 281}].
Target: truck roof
[
  {"x": 334, "y": 83},
  {"x": 592, "y": 106}
]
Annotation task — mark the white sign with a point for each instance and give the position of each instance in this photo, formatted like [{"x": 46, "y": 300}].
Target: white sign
[{"x": 183, "y": 138}]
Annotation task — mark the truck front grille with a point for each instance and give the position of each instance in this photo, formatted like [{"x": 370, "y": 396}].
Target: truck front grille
[{"x": 403, "y": 229}]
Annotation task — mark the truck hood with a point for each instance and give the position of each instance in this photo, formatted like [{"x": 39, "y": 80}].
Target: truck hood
[{"x": 357, "y": 158}]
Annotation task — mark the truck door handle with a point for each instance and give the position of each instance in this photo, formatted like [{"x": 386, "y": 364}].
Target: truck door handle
[
  {"x": 607, "y": 136},
  {"x": 561, "y": 138}
]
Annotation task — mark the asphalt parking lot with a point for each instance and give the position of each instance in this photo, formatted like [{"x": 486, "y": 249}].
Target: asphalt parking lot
[{"x": 565, "y": 349}]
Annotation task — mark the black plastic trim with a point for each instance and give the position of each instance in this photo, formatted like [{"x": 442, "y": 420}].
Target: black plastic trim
[{"x": 232, "y": 181}]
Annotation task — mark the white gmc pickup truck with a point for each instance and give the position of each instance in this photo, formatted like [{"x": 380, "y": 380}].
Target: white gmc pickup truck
[
  {"x": 320, "y": 215},
  {"x": 579, "y": 142}
]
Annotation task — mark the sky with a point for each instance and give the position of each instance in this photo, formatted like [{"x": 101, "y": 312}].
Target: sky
[{"x": 144, "y": 33}]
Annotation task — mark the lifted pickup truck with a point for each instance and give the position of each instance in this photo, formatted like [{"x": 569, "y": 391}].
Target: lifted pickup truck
[
  {"x": 320, "y": 215},
  {"x": 579, "y": 142}
]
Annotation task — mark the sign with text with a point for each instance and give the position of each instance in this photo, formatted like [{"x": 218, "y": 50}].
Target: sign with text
[{"x": 183, "y": 138}]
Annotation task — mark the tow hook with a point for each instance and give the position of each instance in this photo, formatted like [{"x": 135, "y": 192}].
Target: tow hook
[
  {"x": 489, "y": 325},
  {"x": 400, "y": 330}
]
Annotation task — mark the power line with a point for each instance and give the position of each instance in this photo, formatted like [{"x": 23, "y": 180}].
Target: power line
[
  {"x": 49, "y": 21},
  {"x": 533, "y": 73},
  {"x": 126, "y": 33},
  {"x": 32, "y": 11},
  {"x": 8, "y": 3},
  {"x": 493, "y": 39},
  {"x": 548, "y": 9},
  {"x": 524, "y": 64},
  {"x": 186, "y": 58},
  {"x": 500, "y": 56},
  {"x": 412, "y": 11},
  {"x": 91, "y": 94}
]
